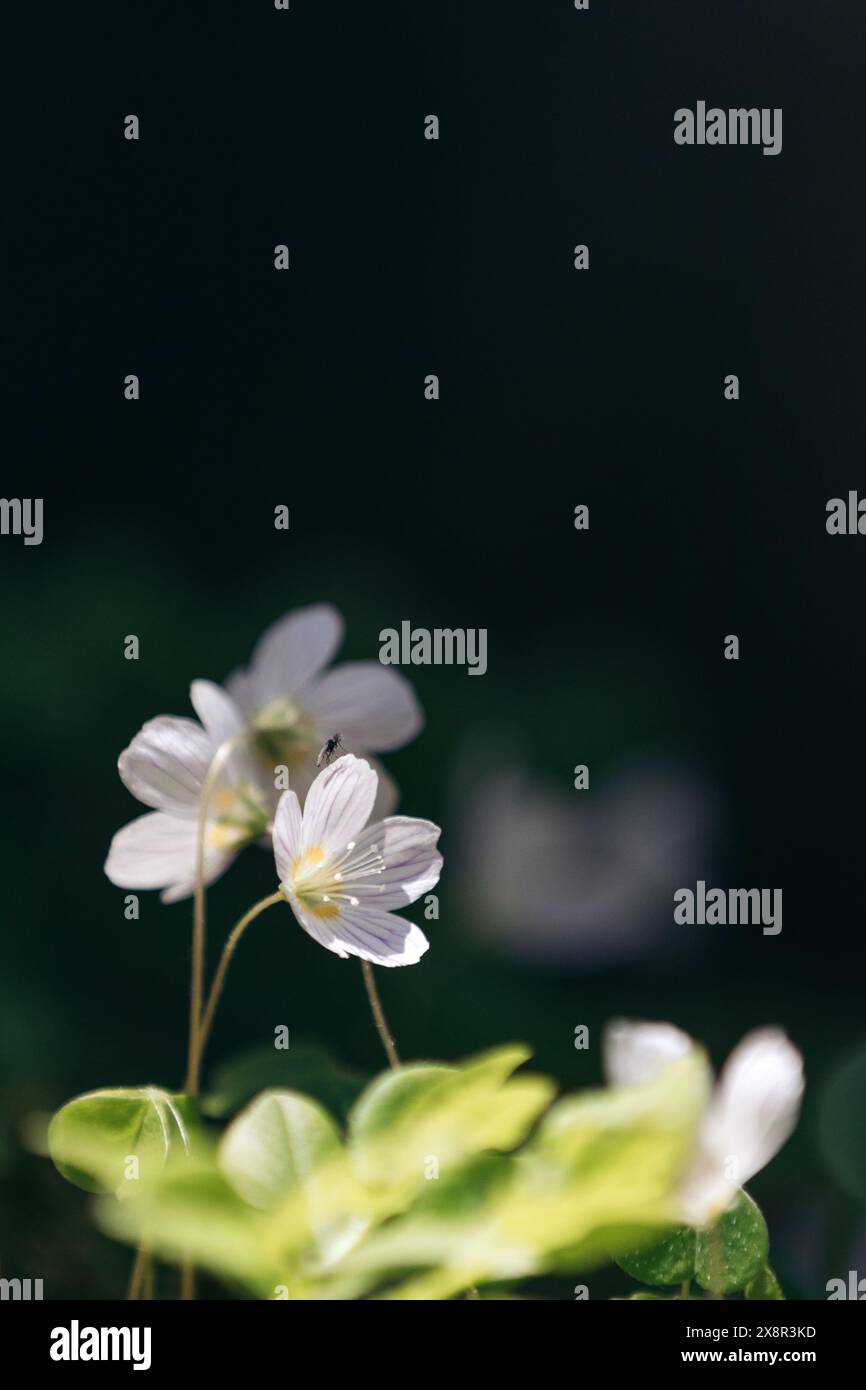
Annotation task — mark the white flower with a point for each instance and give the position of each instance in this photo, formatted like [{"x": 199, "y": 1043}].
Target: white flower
[
  {"x": 343, "y": 880},
  {"x": 292, "y": 705},
  {"x": 165, "y": 766},
  {"x": 752, "y": 1111},
  {"x": 277, "y": 713}
]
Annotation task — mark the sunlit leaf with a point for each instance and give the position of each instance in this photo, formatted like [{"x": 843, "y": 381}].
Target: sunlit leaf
[
  {"x": 600, "y": 1170},
  {"x": 453, "y": 1179},
  {"x": 111, "y": 1140},
  {"x": 431, "y": 1117},
  {"x": 275, "y": 1145},
  {"x": 601, "y": 1175},
  {"x": 393, "y": 1099},
  {"x": 193, "y": 1213},
  {"x": 284, "y": 1154}
]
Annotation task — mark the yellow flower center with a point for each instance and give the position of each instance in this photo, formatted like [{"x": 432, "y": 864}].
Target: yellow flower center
[
  {"x": 320, "y": 884},
  {"x": 235, "y": 816}
]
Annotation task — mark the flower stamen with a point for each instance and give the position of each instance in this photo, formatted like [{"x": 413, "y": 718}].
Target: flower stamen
[{"x": 320, "y": 884}]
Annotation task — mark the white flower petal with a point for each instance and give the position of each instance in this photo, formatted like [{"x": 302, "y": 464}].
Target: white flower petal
[
  {"x": 338, "y": 804},
  {"x": 372, "y": 707},
  {"x": 636, "y": 1052},
  {"x": 215, "y": 864},
  {"x": 379, "y": 936},
  {"x": 707, "y": 1189},
  {"x": 158, "y": 851},
  {"x": 412, "y": 863},
  {"x": 756, "y": 1103},
  {"x": 289, "y": 654},
  {"x": 217, "y": 711},
  {"x": 751, "y": 1113},
  {"x": 166, "y": 764},
  {"x": 224, "y": 720},
  {"x": 303, "y": 775},
  {"x": 242, "y": 689},
  {"x": 288, "y": 834},
  {"x": 366, "y": 932},
  {"x": 318, "y": 928}
]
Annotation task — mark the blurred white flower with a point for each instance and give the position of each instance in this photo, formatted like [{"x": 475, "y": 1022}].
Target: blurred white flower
[
  {"x": 342, "y": 880},
  {"x": 562, "y": 877},
  {"x": 166, "y": 767},
  {"x": 276, "y": 714},
  {"x": 292, "y": 705},
  {"x": 751, "y": 1112}
]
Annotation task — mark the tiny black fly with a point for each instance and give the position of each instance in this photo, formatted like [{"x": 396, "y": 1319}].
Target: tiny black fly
[{"x": 329, "y": 749}]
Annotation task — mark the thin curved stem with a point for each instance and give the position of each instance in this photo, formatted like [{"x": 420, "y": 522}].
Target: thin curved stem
[
  {"x": 196, "y": 992},
  {"x": 141, "y": 1267},
  {"x": 379, "y": 1016},
  {"x": 234, "y": 937}
]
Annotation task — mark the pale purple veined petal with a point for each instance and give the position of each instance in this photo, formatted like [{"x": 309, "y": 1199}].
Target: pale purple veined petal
[
  {"x": 303, "y": 775},
  {"x": 378, "y": 936},
  {"x": 158, "y": 851},
  {"x": 289, "y": 654},
  {"x": 365, "y": 932},
  {"x": 166, "y": 764},
  {"x": 288, "y": 834},
  {"x": 371, "y": 706},
  {"x": 412, "y": 864},
  {"x": 338, "y": 804},
  {"x": 319, "y": 928}
]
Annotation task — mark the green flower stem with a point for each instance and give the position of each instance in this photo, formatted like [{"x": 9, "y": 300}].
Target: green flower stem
[
  {"x": 196, "y": 993},
  {"x": 142, "y": 1271},
  {"x": 234, "y": 937},
  {"x": 379, "y": 1017}
]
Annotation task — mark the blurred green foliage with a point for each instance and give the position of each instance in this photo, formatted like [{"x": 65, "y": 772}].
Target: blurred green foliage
[
  {"x": 447, "y": 1178},
  {"x": 80, "y": 983}
]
